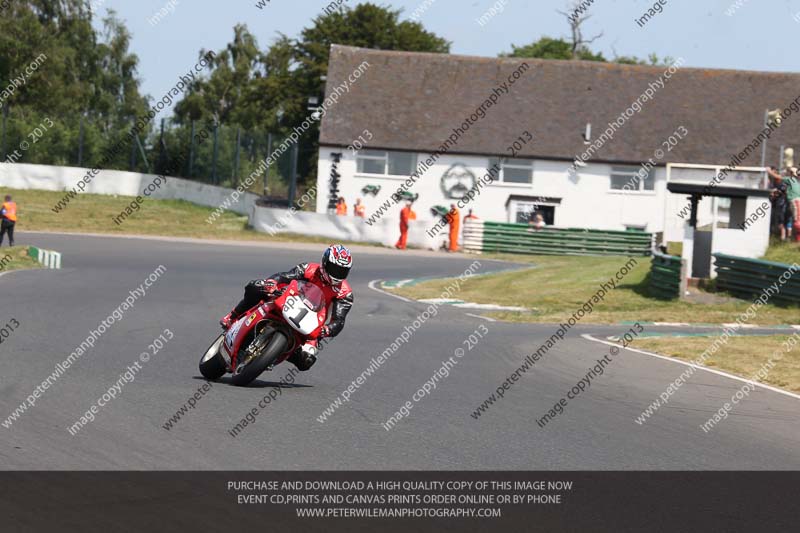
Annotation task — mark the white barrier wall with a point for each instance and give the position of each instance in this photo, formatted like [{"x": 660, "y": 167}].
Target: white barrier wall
[
  {"x": 117, "y": 182},
  {"x": 752, "y": 242},
  {"x": 267, "y": 220},
  {"x": 343, "y": 228}
]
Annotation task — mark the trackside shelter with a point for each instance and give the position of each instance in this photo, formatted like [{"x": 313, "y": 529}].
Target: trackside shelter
[{"x": 743, "y": 232}]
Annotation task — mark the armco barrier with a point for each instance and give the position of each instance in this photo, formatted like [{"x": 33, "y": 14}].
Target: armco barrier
[
  {"x": 47, "y": 258},
  {"x": 480, "y": 236},
  {"x": 667, "y": 277},
  {"x": 747, "y": 278}
]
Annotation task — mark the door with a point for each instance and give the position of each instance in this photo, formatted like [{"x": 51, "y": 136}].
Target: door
[{"x": 701, "y": 258}]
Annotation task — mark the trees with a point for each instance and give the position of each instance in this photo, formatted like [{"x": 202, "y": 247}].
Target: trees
[
  {"x": 367, "y": 26},
  {"x": 224, "y": 96},
  {"x": 87, "y": 85},
  {"x": 549, "y": 48},
  {"x": 80, "y": 77},
  {"x": 576, "y": 18},
  {"x": 578, "y": 46},
  {"x": 269, "y": 90}
]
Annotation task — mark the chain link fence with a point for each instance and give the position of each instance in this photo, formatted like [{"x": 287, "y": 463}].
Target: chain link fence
[{"x": 217, "y": 154}]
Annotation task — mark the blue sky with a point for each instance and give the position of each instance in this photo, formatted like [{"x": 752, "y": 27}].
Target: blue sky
[{"x": 760, "y": 35}]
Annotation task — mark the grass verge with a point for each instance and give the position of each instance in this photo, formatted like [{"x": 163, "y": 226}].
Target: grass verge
[
  {"x": 94, "y": 213},
  {"x": 783, "y": 252},
  {"x": 16, "y": 259},
  {"x": 743, "y": 356},
  {"x": 558, "y": 286}
]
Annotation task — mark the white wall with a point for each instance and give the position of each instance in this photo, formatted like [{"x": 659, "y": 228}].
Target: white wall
[
  {"x": 113, "y": 182},
  {"x": 674, "y": 225},
  {"x": 116, "y": 182},
  {"x": 337, "y": 228},
  {"x": 587, "y": 201},
  {"x": 751, "y": 242}
]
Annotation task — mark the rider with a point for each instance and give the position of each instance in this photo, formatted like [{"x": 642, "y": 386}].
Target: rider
[{"x": 329, "y": 275}]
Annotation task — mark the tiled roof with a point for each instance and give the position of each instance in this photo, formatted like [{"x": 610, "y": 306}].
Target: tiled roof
[{"x": 412, "y": 101}]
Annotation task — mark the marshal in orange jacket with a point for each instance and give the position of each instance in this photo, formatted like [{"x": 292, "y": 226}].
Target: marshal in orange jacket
[
  {"x": 9, "y": 211},
  {"x": 454, "y": 219}
]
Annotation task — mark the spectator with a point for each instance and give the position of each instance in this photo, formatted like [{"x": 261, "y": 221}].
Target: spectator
[
  {"x": 536, "y": 222},
  {"x": 8, "y": 219},
  {"x": 359, "y": 210},
  {"x": 406, "y": 215},
  {"x": 779, "y": 205},
  {"x": 341, "y": 207},
  {"x": 470, "y": 216},
  {"x": 793, "y": 198}
]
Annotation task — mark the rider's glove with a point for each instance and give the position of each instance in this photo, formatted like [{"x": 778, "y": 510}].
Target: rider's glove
[{"x": 324, "y": 332}]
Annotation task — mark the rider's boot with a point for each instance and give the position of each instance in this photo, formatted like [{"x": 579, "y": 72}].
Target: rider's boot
[{"x": 304, "y": 356}]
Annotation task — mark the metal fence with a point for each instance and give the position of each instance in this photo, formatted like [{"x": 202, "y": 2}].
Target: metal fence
[
  {"x": 211, "y": 153},
  {"x": 748, "y": 278},
  {"x": 480, "y": 236},
  {"x": 668, "y": 277}
]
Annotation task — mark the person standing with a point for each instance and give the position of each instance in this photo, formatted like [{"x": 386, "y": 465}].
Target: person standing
[
  {"x": 406, "y": 215},
  {"x": 359, "y": 210},
  {"x": 454, "y": 219},
  {"x": 341, "y": 207},
  {"x": 779, "y": 207},
  {"x": 470, "y": 216},
  {"x": 793, "y": 197},
  {"x": 8, "y": 219}
]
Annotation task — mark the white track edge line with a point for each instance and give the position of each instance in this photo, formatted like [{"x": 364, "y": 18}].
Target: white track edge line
[
  {"x": 372, "y": 286},
  {"x": 692, "y": 365},
  {"x": 483, "y": 317}
]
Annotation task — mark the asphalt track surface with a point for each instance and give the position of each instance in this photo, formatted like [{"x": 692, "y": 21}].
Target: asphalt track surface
[{"x": 56, "y": 310}]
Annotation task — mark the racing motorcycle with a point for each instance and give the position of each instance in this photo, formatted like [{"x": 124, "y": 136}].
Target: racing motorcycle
[{"x": 267, "y": 334}]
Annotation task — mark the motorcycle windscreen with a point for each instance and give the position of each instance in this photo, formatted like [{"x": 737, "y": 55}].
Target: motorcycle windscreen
[
  {"x": 312, "y": 296},
  {"x": 299, "y": 316}
]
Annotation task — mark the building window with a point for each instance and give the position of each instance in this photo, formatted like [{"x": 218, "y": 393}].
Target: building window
[
  {"x": 385, "y": 163},
  {"x": 525, "y": 212},
  {"x": 632, "y": 179},
  {"x": 513, "y": 170}
]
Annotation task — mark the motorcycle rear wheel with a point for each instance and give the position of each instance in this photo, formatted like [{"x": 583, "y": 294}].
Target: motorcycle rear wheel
[{"x": 246, "y": 373}]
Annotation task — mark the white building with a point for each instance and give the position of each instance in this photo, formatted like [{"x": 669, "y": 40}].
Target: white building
[{"x": 631, "y": 127}]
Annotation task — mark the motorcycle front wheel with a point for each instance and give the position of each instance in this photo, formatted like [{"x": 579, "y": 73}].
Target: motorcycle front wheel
[
  {"x": 247, "y": 372},
  {"x": 212, "y": 365}
]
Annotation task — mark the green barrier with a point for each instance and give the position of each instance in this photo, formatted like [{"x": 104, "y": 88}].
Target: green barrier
[
  {"x": 523, "y": 239},
  {"x": 667, "y": 278},
  {"x": 748, "y": 278}
]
